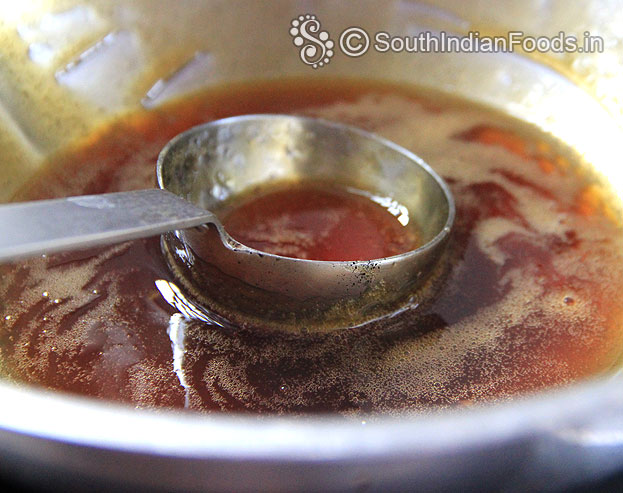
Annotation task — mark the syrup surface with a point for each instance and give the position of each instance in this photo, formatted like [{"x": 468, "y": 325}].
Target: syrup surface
[
  {"x": 316, "y": 221},
  {"x": 532, "y": 299}
]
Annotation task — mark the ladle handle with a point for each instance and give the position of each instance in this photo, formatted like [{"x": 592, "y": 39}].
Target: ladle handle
[{"x": 46, "y": 226}]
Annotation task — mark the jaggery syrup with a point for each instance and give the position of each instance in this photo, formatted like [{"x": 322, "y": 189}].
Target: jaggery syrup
[
  {"x": 318, "y": 221},
  {"x": 532, "y": 299}
]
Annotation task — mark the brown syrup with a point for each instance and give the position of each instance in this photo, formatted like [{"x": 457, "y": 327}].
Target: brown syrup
[
  {"x": 317, "y": 221},
  {"x": 531, "y": 300}
]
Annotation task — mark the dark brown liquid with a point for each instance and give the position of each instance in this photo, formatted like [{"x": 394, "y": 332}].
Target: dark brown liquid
[
  {"x": 532, "y": 299},
  {"x": 318, "y": 222}
]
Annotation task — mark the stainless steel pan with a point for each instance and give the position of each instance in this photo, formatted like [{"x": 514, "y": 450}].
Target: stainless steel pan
[{"x": 141, "y": 54}]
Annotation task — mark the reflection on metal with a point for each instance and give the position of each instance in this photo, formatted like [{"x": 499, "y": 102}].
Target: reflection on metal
[
  {"x": 192, "y": 75},
  {"x": 116, "y": 59},
  {"x": 174, "y": 297},
  {"x": 56, "y": 34},
  {"x": 608, "y": 437}
]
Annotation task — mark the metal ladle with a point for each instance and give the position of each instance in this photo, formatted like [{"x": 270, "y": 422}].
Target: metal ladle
[{"x": 203, "y": 167}]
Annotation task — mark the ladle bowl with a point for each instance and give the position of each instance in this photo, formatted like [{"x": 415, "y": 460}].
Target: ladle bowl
[{"x": 231, "y": 282}]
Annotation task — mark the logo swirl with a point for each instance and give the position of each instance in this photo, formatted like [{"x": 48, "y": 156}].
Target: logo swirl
[{"x": 316, "y": 48}]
